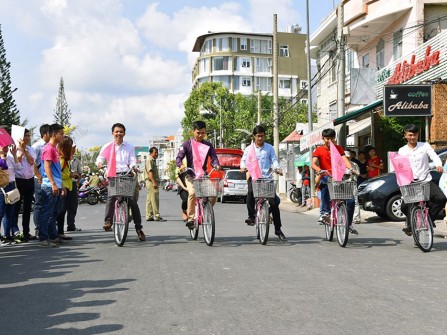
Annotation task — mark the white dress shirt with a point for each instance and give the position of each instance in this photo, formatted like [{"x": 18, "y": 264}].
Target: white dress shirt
[
  {"x": 125, "y": 156},
  {"x": 27, "y": 170},
  {"x": 419, "y": 162}
]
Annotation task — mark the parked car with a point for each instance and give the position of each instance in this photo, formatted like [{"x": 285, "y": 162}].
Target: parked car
[
  {"x": 382, "y": 195},
  {"x": 235, "y": 186}
]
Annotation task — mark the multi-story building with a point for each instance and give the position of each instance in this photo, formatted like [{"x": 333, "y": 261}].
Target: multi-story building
[
  {"x": 242, "y": 62},
  {"x": 382, "y": 38}
]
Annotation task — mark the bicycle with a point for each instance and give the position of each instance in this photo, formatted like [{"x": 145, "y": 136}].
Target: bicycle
[
  {"x": 416, "y": 194},
  {"x": 205, "y": 188},
  {"x": 339, "y": 192},
  {"x": 122, "y": 188},
  {"x": 263, "y": 190}
]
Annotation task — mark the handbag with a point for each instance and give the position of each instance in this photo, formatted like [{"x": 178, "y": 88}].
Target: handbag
[
  {"x": 4, "y": 178},
  {"x": 12, "y": 196}
]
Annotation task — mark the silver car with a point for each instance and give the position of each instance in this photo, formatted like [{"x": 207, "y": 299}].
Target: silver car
[{"x": 235, "y": 186}]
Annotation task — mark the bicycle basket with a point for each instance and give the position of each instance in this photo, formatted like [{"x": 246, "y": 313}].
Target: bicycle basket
[
  {"x": 341, "y": 190},
  {"x": 122, "y": 186},
  {"x": 415, "y": 192},
  {"x": 264, "y": 188},
  {"x": 208, "y": 187}
]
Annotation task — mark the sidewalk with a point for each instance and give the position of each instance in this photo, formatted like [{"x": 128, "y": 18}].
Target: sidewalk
[{"x": 366, "y": 216}]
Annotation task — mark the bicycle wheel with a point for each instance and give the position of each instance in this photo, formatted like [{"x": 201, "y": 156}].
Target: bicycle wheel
[
  {"x": 342, "y": 225},
  {"x": 329, "y": 228},
  {"x": 194, "y": 232},
  {"x": 263, "y": 222},
  {"x": 422, "y": 228},
  {"x": 208, "y": 223},
  {"x": 120, "y": 222}
]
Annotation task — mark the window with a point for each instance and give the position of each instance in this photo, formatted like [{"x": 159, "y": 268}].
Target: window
[
  {"x": 380, "y": 54},
  {"x": 246, "y": 63},
  {"x": 349, "y": 60},
  {"x": 263, "y": 65},
  {"x": 234, "y": 44},
  {"x": 303, "y": 84},
  {"x": 207, "y": 47},
  {"x": 284, "y": 83},
  {"x": 204, "y": 65},
  {"x": 397, "y": 44},
  {"x": 222, "y": 44},
  {"x": 246, "y": 81},
  {"x": 225, "y": 80},
  {"x": 260, "y": 46},
  {"x": 283, "y": 51},
  {"x": 263, "y": 83},
  {"x": 333, "y": 73},
  {"x": 365, "y": 61},
  {"x": 243, "y": 43},
  {"x": 220, "y": 63},
  {"x": 333, "y": 111},
  {"x": 303, "y": 101}
]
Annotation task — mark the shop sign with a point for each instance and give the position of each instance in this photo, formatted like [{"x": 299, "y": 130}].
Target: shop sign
[{"x": 407, "y": 100}]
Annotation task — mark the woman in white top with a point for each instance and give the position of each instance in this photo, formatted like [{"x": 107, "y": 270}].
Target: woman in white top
[{"x": 11, "y": 232}]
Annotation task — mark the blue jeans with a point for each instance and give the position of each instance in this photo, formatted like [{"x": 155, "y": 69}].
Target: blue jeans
[
  {"x": 325, "y": 199},
  {"x": 37, "y": 203},
  {"x": 48, "y": 213},
  {"x": 7, "y": 215}
]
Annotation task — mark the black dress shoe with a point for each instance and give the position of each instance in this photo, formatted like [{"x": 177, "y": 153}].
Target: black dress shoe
[
  {"x": 407, "y": 231},
  {"x": 281, "y": 235},
  {"x": 250, "y": 221},
  {"x": 74, "y": 229}
]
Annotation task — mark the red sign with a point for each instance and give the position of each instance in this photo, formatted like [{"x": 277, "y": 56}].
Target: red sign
[{"x": 405, "y": 71}]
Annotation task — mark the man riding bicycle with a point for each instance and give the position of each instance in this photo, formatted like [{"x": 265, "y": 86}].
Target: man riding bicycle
[
  {"x": 267, "y": 160},
  {"x": 186, "y": 150},
  {"x": 418, "y": 154},
  {"x": 125, "y": 159},
  {"x": 321, "y": 160}
]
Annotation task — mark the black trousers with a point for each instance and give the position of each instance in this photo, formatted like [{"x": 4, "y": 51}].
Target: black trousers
[
  {"x": 133, "y": 206},
  {"x": 274, "y": 207},
  {"x": 26, "y": 189},
  {"x": 68, "y": 205},
  {"x": 435, "y": 205}
]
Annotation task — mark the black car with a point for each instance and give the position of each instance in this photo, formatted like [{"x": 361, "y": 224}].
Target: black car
[{"x": 382, "y": 195}]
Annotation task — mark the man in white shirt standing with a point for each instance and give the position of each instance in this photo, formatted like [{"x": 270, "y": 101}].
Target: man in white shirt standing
[{"x": 419, "y": 154}]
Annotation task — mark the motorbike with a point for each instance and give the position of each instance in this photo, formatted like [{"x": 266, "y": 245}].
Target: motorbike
[
  {"x": 88, "y": 195},
  {"x": 102, "y": 193},
  {"x": 294, "y": 193}
]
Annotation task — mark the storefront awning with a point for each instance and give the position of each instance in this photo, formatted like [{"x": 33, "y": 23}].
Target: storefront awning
[{"x": 358, "y": 112}]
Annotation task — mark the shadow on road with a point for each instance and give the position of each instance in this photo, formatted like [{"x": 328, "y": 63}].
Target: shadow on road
[{"x": 24, "y": 286}]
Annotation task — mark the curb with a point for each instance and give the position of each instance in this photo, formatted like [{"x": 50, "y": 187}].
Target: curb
[{"x": 367, "y": 217}]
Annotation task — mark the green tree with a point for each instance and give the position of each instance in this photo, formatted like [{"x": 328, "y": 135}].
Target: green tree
[
  {"x": 9, "y": 114},
  {"x": 62, "y": 114},
  {"x": 239, "y": 114}
]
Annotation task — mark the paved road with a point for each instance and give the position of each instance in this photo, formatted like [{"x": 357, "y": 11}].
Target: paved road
[{"x": 379, "y": 283}]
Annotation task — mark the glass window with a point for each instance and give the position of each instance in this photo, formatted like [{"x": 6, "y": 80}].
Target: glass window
[
  {"x": 284, "y": 83},
  {"x": 263, "y": 65},
  {"x": 365, "y": 61},
  {"x": 222, "y": 44},
  {"x": 333, "y": 111},
  {"x": 207, "y": 47},
  {"x": 220, "y": 63},
  {"x": 283, "y": 51},
  {"x": 246, "y": 63},
  {"x": 333, "y": 73},
  {"x": 246, "y": 81},
  {"x": 380, "y": 54},
  {"x": 260, "y": 46},
  {"x": 397, "y": 44},
  {"x": 243, "y": 44},
  {"x": 234, "y": 44},
  {"x": 225, "y": 80},
  {"x": 263, "y": 83}
]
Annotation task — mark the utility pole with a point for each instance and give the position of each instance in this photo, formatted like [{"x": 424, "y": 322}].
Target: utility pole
[
  {"x": 341, "y": 74},
  {"x": 309, "y": 97},
  {"x": 259, "y": 107},
  {"x": 275, "y": 86}
]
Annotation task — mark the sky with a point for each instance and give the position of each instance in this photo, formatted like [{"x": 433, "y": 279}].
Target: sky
[{"x": 127, "y": 61}]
